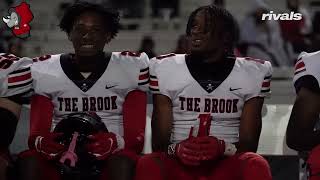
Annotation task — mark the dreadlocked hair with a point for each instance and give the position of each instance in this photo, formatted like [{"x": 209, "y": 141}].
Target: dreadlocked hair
[
  {"x": 110, "y": 16},
  {"x": 217, "y": 16}
]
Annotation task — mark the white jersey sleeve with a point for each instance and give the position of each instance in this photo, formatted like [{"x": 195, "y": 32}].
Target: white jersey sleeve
[
  {"x": 261, "y": 71},
  {"x": 143, "y": 63},
  {"x": 307, "y": 64},
  {"x": 131, "y": 62},
  {"x": 157, "y": 66},
  {"x": 39, "y": 70},
  {"x": 15, "y": 75}
]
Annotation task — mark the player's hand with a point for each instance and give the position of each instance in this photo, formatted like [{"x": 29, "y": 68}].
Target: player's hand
[
  {"x": 188, "y": 152},
  {"x": 103, "y": 144},
  {"x": 211, "y": 147},
  {"x": 48, "y": 146}
]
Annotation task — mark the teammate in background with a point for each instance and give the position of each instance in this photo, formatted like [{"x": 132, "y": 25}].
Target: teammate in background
[
  {"x": 303, "y": 128},
  {"x": 207, "y": 107},
  {"x": 88, "y": 80},
  {"x": 15, "y": 88}
]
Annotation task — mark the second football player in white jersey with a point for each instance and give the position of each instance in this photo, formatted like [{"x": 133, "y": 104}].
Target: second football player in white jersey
[
  {"x": 303, "y": 128},
  {"x": 192, "y": 98},
  {"x": 207, "y": 106}
]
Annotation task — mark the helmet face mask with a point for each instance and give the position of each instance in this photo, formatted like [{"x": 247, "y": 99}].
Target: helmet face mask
[{"x": 85, "y": 124}]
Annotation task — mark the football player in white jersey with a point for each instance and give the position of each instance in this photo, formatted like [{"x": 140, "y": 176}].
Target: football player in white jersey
[
  {"x": 207, "y": 107},
  {"x": 15, "y": 88},
  {"x": 303, "y": 128},
  {"x": 88, "y": 81}
]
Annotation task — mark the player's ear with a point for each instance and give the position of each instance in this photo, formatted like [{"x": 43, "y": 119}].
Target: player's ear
[
  {"x": 108, "y": 37},
  {"x": 69, "y": 36}
]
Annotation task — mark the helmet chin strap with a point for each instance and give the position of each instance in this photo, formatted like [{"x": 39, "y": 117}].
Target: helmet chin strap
[{"x": 70, "y": 155}]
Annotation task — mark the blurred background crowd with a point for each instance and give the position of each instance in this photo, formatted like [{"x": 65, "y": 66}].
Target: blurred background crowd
[{"x": 157, "y": 27}]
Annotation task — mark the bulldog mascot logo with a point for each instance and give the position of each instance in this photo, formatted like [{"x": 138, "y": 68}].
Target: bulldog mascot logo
[{"x": 19, "y": 19}]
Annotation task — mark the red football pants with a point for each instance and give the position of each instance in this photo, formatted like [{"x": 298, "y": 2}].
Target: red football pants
[
  {"x": 242, "y": 166},
  {"x": 48, "y": 170},
  {"x": 313, "y": 164}
]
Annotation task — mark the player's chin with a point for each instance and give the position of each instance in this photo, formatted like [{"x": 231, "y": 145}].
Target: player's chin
[
  {"x": 197, "y": 50},
  {"x": 87, "y": 52},
  {"x": 198, "y": 47}
]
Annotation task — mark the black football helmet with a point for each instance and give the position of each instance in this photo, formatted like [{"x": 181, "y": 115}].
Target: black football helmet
[{"x": 85, "y": 123}]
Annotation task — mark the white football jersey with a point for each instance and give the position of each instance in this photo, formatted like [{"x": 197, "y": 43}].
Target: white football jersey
[
  {"x": 307, "y": 64},
  {"x": 15, "y": 75},
  {"x": 103, "y": 92},
  {"x": 170, "y": 76}
]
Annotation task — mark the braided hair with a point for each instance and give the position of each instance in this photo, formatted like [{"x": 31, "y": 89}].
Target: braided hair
[{"x": 216, "y": 16}]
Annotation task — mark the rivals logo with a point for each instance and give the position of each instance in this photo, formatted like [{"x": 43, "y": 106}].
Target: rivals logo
[{"x": 19, "y": 19}]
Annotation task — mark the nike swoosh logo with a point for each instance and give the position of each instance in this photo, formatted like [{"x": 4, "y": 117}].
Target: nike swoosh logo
[
  {"x": 108, "y": 87},
  {"x": 234, "y": 89}
]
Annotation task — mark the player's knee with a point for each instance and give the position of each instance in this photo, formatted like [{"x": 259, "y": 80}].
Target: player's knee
[
  {"x": 147, "y": 161},
  {"x": 32, "y": 165},
  {"x": 256, "y": 160},
  {"x": 121, "y": 161},
  {"x": 313, "y": 162},
  {"x": 5, "y": 155},
  {"x": 7, "y": 128},
  {"x": 314, "y": 155},
  {"x": 253, "y": 162},
  {"x": 120, "y": 167},
  {"x": 27, "y": 165},
  {"x": 4, "y": 164},
  {"x": 29, "y": 154},
  {"x": 30, "y": 159},
  {"x": 149, "y": 167}
]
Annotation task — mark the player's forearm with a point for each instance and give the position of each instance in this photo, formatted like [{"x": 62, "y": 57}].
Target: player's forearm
[
  {"x": 247, "y": 146},
  {"x": 249, "y": 140},
  {"x": 300, "y": 131},
  {"x": 160, "y": 135},
  {"x": 248, "y": 143},
  {"x": 160, "y": 141},
  {"x": 41, "y": 113},
  {"x": 135, "y": 143},
  {"x": 161, "y": 131},
  {"x": 303, "y": 140}
]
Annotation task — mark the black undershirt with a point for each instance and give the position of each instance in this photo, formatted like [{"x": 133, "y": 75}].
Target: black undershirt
[
  {"x": 73, "y": 72},
  {"x": 210, "y": 75}
]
